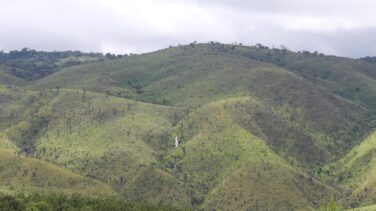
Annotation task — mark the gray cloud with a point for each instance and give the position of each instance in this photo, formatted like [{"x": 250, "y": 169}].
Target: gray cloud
[{"x": 340, "y": 27}]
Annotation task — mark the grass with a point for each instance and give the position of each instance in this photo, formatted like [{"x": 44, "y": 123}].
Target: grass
[
  {"x": 230, "y": 168},
  {"x": 365, "y": 208},
  {"x": 19, "y": 173},
  {"x": 258, "y": 128},
  {"x": 114, "y": 140},
  {"x": 194, "y": 76},
  {"x": 356, "y": 172}
]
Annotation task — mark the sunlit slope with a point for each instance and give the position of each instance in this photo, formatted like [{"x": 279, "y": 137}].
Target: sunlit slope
[
  {"x": 193, "y": 76},
  {"x": 356, "y": 172},
  {"x": 111, "y": 139},
  {"x": 231, "y": 168},
  {"x": 124, "y": 144},
  {"x": 365, "y": 208},
  {"x": 252, "y": 122},
  {"x": 20, "y": 173}
]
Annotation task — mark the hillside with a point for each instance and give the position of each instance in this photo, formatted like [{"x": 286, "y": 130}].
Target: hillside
[
  {"x": 29, "y": 64},
  {"x": 9, "y": 80},
  {"x": 232, "y": 168},
  {"x": 193, "y": 76},
  {"x": 258, "y": 128},
  {"x": 356, "y": 172},
  {"x": 20, "y": 173}
]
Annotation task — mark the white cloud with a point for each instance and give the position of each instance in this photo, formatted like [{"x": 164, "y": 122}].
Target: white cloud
[{"x": 124, "y": 26}]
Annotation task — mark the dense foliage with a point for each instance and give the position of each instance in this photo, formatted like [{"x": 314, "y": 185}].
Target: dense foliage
[{"x": 30, "y": 64}]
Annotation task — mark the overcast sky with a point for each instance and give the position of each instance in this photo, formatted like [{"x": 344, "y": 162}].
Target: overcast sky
[{"x": 339, "y": 27}]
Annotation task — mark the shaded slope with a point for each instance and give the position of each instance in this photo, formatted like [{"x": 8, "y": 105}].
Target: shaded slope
[
  {"x": 9, "y": 80},
  {"x": 300, "y": 115},
  {"x": 350, "y": 78}
]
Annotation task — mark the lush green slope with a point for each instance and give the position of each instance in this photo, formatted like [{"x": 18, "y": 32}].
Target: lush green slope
[
  {"x": 365, "y": 208},
  {"x": 356, "y": 172},
  {"x": 20, "y": 173},
  {"x": 121, "y": 142},
  {"x": 207, "y": 66},
  {"x": 115, "y": 140},
  {"x": 193, "y": 76},
  {"x": 258, "y": 127},
  {"x": 231, "y": 168}
]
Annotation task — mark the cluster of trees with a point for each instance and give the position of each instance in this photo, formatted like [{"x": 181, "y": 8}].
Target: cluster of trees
[
  {"x": 27, "y": 53},
  {"x": 369, "y": 59},
  {"x": 75, "y": 202},
  {"x": 30, "y": 64}
]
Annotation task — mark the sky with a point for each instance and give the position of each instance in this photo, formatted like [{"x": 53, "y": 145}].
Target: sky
[{"x": 335, "y": 27}]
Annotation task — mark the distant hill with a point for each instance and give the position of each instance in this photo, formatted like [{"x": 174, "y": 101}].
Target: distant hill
[
  {"x": 369, "y": 59},
  {"x": 258, "y": 127},
  {"x": 29, "y": 64}
]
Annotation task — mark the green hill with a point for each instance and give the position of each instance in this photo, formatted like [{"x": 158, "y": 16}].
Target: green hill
[
  {"x": 232, "y": 168},
  {"x": 29, "y": 64},
  {"x": 20, "y": 173},
  {"x": 193, "y": 76},
  {"x": 258, "y": 128}
]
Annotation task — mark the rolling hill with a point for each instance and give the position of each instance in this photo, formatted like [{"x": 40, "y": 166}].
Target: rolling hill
[{"x": 258, "y": 128}]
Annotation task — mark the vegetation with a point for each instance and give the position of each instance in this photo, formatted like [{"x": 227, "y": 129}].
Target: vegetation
[
  {"x": 258, "y": 129},
  {"x": 30, "y": 64},
  {"x": 57, "y": 202}
]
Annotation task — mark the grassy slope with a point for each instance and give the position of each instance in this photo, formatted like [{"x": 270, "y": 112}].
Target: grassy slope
[
  {"x": 114, "y": 140},
  {"x": 170, "y": 76},
  {"x": 20, "y": 173},
  {"x": 17, "y": 107},
  {"x": 94, "y": 135},
  {"x": 194, "y": 76},
  {"x": 111, "y": 139},
  {"x": 365, "y": 208},
  {"x": 295, "y": 108},
  {"x": 230, "y": 168},
  {"x": 6, "y": 79},
  {"x": 356, "y": 172}
]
